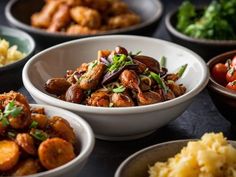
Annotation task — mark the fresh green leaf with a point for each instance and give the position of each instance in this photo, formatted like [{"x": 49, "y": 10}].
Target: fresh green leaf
[
  {"x": 34, "y": 124},
  {"x": 159, "y": 81},
  {"x": 12, "y": 110},
  {"x": 186, "y": 13},
  {"x": 4, "y": 121},
  {"x": 119, "y": 89},
  {"x": 217, "y": 21}
]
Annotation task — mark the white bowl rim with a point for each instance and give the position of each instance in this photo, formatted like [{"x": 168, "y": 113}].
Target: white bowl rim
[
  {"x": 129, "y": 158},
  {"x": 120, "y": 111},
  {"x": 84, "y": 153}
]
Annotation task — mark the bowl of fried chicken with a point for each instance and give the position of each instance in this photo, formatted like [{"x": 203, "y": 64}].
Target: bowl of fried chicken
[{"x": 55, "y": 21}]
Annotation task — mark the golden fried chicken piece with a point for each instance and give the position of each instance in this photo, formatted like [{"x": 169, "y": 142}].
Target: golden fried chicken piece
[
  {"x": 60, "y": 19},
  {"x": 43, "y": 18},
  {"x": 122, "y": 21},
  {"x": 118, "y": 8},
  {"x": 71, "y": 3},
  {"x": 85, "y": 16},
  {"x": 100, "y": 5},
  {"x": 77, "y": 29}
]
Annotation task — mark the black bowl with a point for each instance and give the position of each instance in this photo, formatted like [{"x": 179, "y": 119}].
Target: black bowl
[
  {"x": 223, "y": 98},
  {"x": 10, "y": 75},
  {"x": 18, "y": 13},
  {"x": 206, "y": 48}
]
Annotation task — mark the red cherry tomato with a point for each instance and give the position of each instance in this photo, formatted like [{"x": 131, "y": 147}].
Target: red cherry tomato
[
  {"x": 231, "y": 85},
  {"x": 233, "y": 63},
  {"x": 218, "y": 73},
  {"x": 231, "y": 75}
]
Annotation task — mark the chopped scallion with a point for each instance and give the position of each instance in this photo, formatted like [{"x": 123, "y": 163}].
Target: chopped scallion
[
  {"x": 160, "y": 82},
  {"x": 34, "y": 124},
  {"x": 119, "y": 89},
  {"x": 163, "y": 62},
  {"x": 182, "y": 70}
]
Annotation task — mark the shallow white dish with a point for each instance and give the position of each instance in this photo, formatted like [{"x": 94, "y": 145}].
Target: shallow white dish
[
  {"x": 117, "y": 123},
  {"x": 85, "y": 138}
]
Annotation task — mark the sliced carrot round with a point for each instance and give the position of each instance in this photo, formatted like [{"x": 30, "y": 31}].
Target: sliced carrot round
[
  {"x": 9, "y": 155},
  {"x": 55, "y": 152}
]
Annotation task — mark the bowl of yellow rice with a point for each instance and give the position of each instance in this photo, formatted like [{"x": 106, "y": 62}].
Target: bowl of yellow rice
[
  {"x": 16, "y": 47},
  {"x": 212, "y": 155}
]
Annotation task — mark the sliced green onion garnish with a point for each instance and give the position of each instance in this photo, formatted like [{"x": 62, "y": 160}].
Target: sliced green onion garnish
[
  {"x": 119, "y": 89},
  {"x": 10, "y": 109},
  {"x": 163, "y": 62},
  {"x": 4, "y": 121},
  {"x": 34, "y": 124},
  {"x": 159, "y": 81},
  {"x": 182, "y": 70},
  {"x": 39, "y": 135}
]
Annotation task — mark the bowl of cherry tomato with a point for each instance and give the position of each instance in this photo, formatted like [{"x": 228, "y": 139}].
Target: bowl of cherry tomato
[{"x": 222, "y": 84}]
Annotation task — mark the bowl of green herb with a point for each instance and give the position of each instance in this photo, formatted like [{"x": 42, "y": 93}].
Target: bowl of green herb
[{"x": 207, "y": 30}]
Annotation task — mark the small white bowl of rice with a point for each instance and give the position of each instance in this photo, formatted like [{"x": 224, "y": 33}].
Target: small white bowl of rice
[{"x": 16, "y": 47}]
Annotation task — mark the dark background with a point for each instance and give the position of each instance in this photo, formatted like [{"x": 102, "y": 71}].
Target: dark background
[{"x": 199, "y": 118}]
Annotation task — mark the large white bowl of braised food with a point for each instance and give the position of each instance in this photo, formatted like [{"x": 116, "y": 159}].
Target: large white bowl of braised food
[
  {"x": 124, "y": 86},
  {"x": 39, "y": 140}
]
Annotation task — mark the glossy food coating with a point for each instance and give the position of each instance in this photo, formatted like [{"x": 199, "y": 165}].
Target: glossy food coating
[
  {"x": 28, "y": 137},
  {"x": 119, "y": 78}
]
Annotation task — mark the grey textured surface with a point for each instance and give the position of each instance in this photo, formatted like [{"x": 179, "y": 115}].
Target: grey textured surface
[{"x": 199, "y": 118}]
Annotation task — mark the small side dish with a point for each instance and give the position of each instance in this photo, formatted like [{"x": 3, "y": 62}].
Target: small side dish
[
  {"x": 215, "y": 22},
  {"x": 9, "y": 54},
  {"x": 118, "y": 78},
  {"x": 75, "y": 17},
  {"x": 225, "y": 73},
  {"x": 211, "y": 156},
  {"x": 30, "y": 141}
]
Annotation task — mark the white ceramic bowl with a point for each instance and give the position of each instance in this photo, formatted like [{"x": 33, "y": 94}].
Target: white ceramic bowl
[
  {"x": 85, "y": 142},
  {"x": 117, "y": 123}
]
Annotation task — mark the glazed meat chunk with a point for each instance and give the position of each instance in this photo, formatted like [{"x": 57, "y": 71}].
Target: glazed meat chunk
[
  {"x": 85, "y": 16},
  {"x": 77, "y": 29},
  {"x": 122, "y": 21},
  {"x": 43, "y": 18},
  {"x": 60, "y": 19}
]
